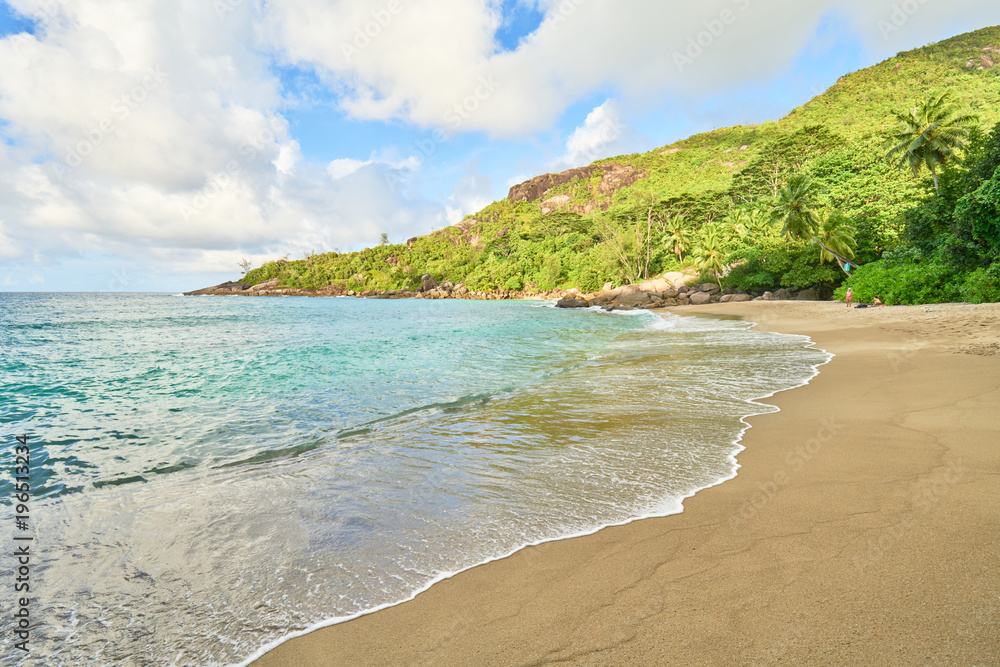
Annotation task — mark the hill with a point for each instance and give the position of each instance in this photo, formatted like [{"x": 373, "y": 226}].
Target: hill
[{"x": 629, "y": 217}]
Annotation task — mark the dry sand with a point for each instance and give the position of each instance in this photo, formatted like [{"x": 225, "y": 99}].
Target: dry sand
[{"x": 863, "y": 528}]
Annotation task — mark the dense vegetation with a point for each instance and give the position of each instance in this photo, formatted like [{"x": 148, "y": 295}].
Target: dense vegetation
[
  {"x": 950, "y": 249},
  {"x": 781, "y": 204}
]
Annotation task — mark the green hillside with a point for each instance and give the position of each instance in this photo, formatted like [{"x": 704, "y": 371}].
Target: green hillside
[{"x": 708, "y": 201}]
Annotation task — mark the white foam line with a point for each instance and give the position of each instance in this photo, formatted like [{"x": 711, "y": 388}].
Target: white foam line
[{"x": 676, "y": 507}]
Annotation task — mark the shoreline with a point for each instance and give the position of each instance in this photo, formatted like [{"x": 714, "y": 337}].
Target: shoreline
[
  {"x": 668, "y": 507},
  {"x": 493, "y": 613}
]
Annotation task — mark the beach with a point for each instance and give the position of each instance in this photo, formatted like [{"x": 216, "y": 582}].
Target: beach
[{"x": 860, "y": 529}]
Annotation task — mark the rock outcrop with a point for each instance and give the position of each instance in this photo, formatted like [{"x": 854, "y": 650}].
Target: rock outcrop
[
  {"x": 614, "y": 177},
  {"x": 700, "y": 298},
  {"x": 572, "y": 302},
  {"x": 223, "y": 289},
  {"x": 668, "y": 290},
  {"x": 807, "y": 295},
  {"x": 428, "y": 284},
  {"x": 268, "y": 288}
]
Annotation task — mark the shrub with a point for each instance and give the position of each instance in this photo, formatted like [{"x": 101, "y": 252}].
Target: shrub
[
  {"x": 514, "y": 283},
  {"x": 902, "y": 284},
  {"x": 982, "y": 285},
  {"x": 591, "y": 279}
]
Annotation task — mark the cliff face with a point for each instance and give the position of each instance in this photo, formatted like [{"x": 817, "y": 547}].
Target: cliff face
[{"x": 614, "y": 177}]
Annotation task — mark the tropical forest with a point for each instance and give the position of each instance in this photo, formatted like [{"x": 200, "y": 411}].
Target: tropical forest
[{"x": 887, "y": 183}]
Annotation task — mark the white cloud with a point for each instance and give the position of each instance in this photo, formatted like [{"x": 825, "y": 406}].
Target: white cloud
[
  {"x": 472, "y": 193},
  {"x": 345, "y": 167},
  {"x": 153, "y": 131},
  {"x": 8, "y": 247},
  {"x": 604, "y": 133},
  {"x": 434, "y": 62}
]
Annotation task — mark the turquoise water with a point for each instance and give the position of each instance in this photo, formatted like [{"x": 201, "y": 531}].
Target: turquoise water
[{"x": 212, "y": 474}]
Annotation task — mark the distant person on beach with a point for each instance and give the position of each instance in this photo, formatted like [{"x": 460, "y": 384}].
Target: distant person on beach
[
  {"x": 850, "y": 295},
  {"x": 877, "y": 302}
]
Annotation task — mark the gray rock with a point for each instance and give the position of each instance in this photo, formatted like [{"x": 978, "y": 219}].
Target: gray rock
[
  {"x": 572, "y": 303},
  {"x": 807, "y": 295},
  {"x": 740, "y": 298},
  {"x": 700, "y": 298},
  {"x": 767, "y": 296},
  {"x": 428, "y": 282},
  {"x": 725, "y": 298},
  {"x": 782, "y": 295},
  {"x": 711, "y": 288},
  {"x": 635, "y": 298}
]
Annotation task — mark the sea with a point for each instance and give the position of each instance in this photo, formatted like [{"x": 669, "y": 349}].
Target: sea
[{"x": 212, "y": 475}]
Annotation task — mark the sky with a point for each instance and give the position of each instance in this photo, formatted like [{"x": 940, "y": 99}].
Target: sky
[{"x": 151, "y": 145}]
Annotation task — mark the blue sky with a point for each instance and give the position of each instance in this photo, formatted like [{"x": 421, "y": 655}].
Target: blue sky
[{"x": 151, "y": 146}]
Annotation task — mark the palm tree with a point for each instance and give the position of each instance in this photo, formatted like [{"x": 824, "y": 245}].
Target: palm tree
[
  {"x": 749, "y": 224},
  {"x": 798, "y": 208},
  {"x": 758, "y": 222},
  {"x": 836, "y": 231},
  {"x": 708, "y": 254},
  {"x": 930, "y": 135},
  {"x": 677, "y": 236},
  {"x": 735, "y": 224}
]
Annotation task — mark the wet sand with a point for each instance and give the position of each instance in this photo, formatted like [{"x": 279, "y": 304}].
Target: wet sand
[{"x": 863, "y": 528}]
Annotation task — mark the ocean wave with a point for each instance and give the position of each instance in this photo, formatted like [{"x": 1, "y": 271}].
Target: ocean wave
[{"x": 292, "y": 464}]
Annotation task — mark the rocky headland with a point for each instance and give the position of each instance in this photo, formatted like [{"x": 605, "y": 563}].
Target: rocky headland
[{"x": 671, "y": 289}]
